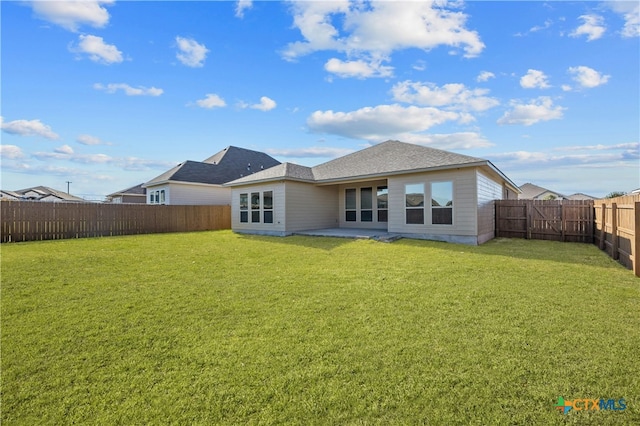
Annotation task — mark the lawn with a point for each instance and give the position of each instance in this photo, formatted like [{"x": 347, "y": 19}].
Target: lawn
[{"x": 220, "y": 328}]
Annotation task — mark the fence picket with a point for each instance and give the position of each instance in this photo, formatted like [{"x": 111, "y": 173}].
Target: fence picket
[{"x": 34, "y": 220}]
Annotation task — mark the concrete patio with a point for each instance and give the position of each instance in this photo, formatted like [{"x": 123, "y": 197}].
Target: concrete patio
[{"x": 367, "y": 234}]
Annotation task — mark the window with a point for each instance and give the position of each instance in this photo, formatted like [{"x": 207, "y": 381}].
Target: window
[
  {"x": 162, "y": 197},
  {"x": 442, "y": 203},
  {"x": 255, "y": 207},
  {"x": 244, "y": 207},
  {"x": 382, "y": 195},
  {"x": 414, "y": 196},
  {"x": 267, "y": 199},
  {"x": 350, "y": 204},
  {"x": 366, "y": 204}
]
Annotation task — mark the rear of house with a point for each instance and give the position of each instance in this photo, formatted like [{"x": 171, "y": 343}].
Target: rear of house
[{"x": 405, "y": 189}]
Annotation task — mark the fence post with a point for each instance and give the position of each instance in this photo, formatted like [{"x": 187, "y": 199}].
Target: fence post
[
  {"x": 527, "y": 212},
  {"x": 603, "y": 225},
  {"x": 636, "y": 239},
  {"x": 563, "y": 220},
  {"x": 614, "y": 231}
]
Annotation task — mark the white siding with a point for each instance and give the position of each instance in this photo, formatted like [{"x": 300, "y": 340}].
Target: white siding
[
  {"x": 488, "y": 191},
  {"x": 193, "y": 194},
  {"x": 310, "y": 206},
  {"x": 464, "y": 205},
  {"x": 278, "y": 225}
]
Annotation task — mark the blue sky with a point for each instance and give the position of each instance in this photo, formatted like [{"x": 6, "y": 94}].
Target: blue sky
[{"x": 109, "y": 94}]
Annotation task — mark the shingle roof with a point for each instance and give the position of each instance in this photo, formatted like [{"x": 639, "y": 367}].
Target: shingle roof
[
  {"x": 385, "y": 159},
  {"x": 531, "y": 191},
  {"x": 288, "y": 171},
  {"x": 45, "y": 191},
  {"x": 224, "y": 166},
  {"x": 391, "y": 157},
  {"x": 134, "y": 190}
]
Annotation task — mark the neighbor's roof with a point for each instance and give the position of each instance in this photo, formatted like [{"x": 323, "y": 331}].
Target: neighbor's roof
[
  {"x": 531, "y": 191},
  {"x": 227, "y": 165},
  {"x": 385, "y": 159},
  {"x": 45, "y": 191},
  {"x": 134, "y": 190}
]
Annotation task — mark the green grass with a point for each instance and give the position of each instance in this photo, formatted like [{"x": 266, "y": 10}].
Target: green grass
[{"x": 219, "y": 328}]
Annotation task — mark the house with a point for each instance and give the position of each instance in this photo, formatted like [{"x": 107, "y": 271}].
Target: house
[
  {"x": 42, "y": 193},
  {"x": 6, "y": 195},
  {"x": 579, "y": 196},
  {"x": 535, "y": 192},
  {"x": 395, "y": 187},
  {"x": 201, "y": 183},
  {"x": 134, "y": 195}
]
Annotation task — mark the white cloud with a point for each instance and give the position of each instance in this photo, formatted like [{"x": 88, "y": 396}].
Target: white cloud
[
  {"x": 28, "y": 128},
  {"x": 540, "y": 109},
  {"x": 64, "y": 149},
  {"x": 241, "y": 6},
  {"x": 378, "y": 123},
  {"x": 358, "y": 68},
  {"x": 630, "y": 11},
  {"x": 129, "y": 90},
  {"x": 97, "y": 49},
  {"x": 588, "y": 77},
  {"x": 191, "y": 53},
  {"x": 534, "y": 79},
  {"x": 372, "y": 31},
  {"x": 211, "y": 101},
  {"x": 547, "y": 24},
  {"x": 90, "y": 140},
  {"x": 447, "y": 141},
  {"x": 266, "y": 104},
  {"x": 71, "y": 14},
  {"x": 631, "y": 146},
  {"x": 593, "y": 27},
  {"x": 454, "y": 96},
  {"x": 627, "y": 152},
  {"x": 312, "y": 152},
  {"x": 66, "y": 153},
  {"x": 485, "y": 76},
  {"x": 12, "y": 152}
]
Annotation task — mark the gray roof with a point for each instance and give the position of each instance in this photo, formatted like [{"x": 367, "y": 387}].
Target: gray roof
[
  {"x": 45, "y": 191},
  {"x": 385, "y": 159},
  {"x": 289, "y": 171},
  {"x": 531, "y": 191},
  {"x": 224, "y": 166},
  {"x": 391, "y": 157},
  {"x": 134, "y": 190}
]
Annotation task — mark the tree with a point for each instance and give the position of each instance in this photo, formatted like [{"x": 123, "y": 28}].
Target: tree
[{"x": 615, "y": 194}]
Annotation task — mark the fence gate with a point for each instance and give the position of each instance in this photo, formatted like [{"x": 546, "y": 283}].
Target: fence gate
[{"x": 565, "y": 220}]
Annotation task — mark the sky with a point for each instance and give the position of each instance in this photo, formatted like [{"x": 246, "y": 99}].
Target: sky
[{"x": 98, "y": 96}]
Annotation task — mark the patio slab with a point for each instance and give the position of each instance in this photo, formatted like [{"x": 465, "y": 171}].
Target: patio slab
[{"x": 369, "y": 234}]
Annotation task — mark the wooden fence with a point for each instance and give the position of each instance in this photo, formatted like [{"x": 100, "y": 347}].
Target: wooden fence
[
  {"x": 617, "y": 229},
  {"x": 570, "y": 221},
  {"x": 33, "y": 220}
]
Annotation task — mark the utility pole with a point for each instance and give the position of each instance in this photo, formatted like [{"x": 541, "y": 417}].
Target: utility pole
[{"x": 68, "y": 187}]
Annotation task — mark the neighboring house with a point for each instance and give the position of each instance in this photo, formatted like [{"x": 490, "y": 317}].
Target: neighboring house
[
  {"x": 134, "y": 195},
  {"x": 411, "y": 190},
  {"x": 535, "y": 192},
  {"x": 9, "y": 195},
  {"x": 580, "y": 196},
  {"x": 43, "y": 193},
  {"x": 195, "y": 182}
]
